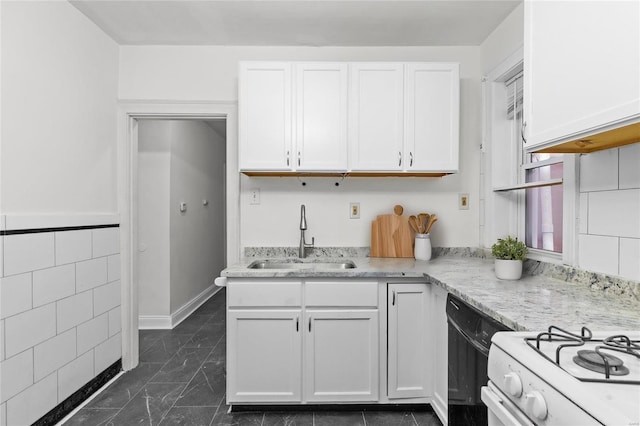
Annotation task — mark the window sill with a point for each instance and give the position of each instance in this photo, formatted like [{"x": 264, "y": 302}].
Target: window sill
[
  {"x": 545, "y": 256},
  {"x": 537, "y": 184}
]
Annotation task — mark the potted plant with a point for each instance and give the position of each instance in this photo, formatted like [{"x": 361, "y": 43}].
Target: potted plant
[{"x": 509, "y": 254}]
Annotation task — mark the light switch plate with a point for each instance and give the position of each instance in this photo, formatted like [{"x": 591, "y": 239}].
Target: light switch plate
[{"x": 254, "y": 196}]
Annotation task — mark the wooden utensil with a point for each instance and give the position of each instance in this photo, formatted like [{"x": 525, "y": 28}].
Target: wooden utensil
[
  {"x": 422, "y": 222},
  {"x": 433, "y": 220},
  {"x": 413, "y": 222}
]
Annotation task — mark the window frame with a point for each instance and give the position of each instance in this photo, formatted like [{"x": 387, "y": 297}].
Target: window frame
[{"x": 514, "y": 216}]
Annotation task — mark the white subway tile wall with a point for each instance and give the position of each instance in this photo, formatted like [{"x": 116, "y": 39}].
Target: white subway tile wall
[
  {"x": 59, "y": 317},
  {"x": 52, "y": 284},
  {"x": 73, "y": 246},
  {"x": 15, "y": 295},
  {"x": 609, "y": 227},
  {"x": 31, "y": 404}
]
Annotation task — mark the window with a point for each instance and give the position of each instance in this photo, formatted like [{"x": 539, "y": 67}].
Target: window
[{"x": 541, "y": 177}]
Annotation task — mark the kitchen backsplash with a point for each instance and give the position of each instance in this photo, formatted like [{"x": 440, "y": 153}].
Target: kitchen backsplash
[{"x": 609, "y": 219}]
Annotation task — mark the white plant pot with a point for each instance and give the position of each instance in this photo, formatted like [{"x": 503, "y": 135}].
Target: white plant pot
[{"x": 508, "y": 269}]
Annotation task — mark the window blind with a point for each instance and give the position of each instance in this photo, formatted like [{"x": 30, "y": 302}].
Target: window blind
[{"x": 515, "y": 95}]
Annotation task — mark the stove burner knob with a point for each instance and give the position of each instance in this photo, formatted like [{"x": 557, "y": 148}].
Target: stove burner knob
[
  {"x": 536, "y": 405},
  {"x": 513, "y": 384}
]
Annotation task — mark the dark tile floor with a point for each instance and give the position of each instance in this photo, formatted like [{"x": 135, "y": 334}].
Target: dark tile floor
[{"x": 181, "y": 381}]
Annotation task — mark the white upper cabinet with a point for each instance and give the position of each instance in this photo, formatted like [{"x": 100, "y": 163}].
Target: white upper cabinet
[
  {"x": 389, "y": 117},
  {"x": 432, "y": 99},
  {"x": 321, "y": 116},
  {"x": 265, "y": 105},
  {"x": 582, "y": 62},
  {"x": 376, "y": 116}
]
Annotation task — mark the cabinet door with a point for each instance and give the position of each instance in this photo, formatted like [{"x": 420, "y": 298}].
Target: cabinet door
[
  {"x": 581, "y": 68},
  {"x": 321, "y": 116},
  {"x": 341, "y": 355},
  {"x": 265, "y": 124},
  {"x": 409, "y": 342},
  {"x": 376, "y": 116},
  {"x": 439, "y": 324},
  {"x": 264, "y": 356},
  {"x": 432, "y": 117}
]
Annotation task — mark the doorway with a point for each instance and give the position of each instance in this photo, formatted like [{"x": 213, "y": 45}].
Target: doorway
[
  {"x": 130, "y": 115},
  {"x": 181, "y": 217}
]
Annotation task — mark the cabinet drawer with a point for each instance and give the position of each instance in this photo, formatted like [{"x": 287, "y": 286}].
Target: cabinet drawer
[
  {"x": 342, "y": 293},
  {"x": 264, "y": 293}
]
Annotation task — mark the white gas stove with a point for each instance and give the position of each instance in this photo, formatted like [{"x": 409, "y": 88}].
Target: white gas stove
[{"x": 564, "y": 378}]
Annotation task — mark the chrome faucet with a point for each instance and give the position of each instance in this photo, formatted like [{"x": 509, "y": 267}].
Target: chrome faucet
[{"x": 303, "y": 227}]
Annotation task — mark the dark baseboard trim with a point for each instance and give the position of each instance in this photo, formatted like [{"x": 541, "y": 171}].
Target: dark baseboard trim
[
  {"x": 235, "y": 408},
  {"x": 60, "y": 229},
  {"x": 79, "y": 396}
]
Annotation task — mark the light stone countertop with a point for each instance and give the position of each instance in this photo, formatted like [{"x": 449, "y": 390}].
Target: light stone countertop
[{"x": 531, "y": 303}]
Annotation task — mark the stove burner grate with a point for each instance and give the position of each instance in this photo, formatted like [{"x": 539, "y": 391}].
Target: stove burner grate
[
  {"x": 596, "y": 360},
  {"x": 600, "y": 363}
]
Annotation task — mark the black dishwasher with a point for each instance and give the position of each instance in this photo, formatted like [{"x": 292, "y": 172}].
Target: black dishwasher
[{"x": 470, "y": 333}]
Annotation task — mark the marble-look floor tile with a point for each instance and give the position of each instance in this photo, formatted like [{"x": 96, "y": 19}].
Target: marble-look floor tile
[
  {"x": 223, "y": 418},
  {"x": 207, "y": 336},
  {"x": 192, "y": 324},
  {"x": 189, "y": 416},
  {"x": 93, "y": 417},
  {"x": 426, "y": 418},
  {"x": 163, "y": 349},
  {"x": 146, "y": 338},
  {"x": 219, "y": 353},
  {"x": 389, "y": 418},
  {"x": 288, "y": 419},
  {"x": 207, "y": 388},
  {"x": 347, "y": 418},
  {"x": 120, "y": 392},
  {"x": 149, "y": 406},
  {"x": 182, "y": 367}
]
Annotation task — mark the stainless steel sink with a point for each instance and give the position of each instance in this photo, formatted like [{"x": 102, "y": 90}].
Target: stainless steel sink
[{"x": 266, "y": 264}]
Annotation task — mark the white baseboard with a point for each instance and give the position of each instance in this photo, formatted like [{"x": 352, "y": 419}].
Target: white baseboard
[
  {"x": 167, "y": 322},
  {"x": 154, "y": 322}
]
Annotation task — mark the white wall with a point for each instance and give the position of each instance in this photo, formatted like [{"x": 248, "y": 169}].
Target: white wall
[
  {"x": 59, "y": 88},
  {"x": 609, "y": 217},
  {"x": 180, "y": 253},
  {"x": 197, "y": 235},
  {"x": 154, "y": 158},
  {"x": 60, "y": 291},
  {"x": 504, "y": 40},
  {"x": 210, "y": 73}
]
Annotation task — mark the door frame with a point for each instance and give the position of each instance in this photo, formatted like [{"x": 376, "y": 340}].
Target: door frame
[{"x": 129, "y": 112}]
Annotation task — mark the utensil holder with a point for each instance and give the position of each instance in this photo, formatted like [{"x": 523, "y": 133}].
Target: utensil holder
[{"x": 422, "y": 250}]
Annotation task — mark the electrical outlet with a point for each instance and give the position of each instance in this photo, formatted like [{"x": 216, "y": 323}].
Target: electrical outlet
[
  {"x": 354, "y": 210},
  {"x": 463, "y": 201},
  {"x": 254, "y": 196}
]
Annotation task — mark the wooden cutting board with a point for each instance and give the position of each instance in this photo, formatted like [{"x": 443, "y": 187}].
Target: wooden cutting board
[{"x": 391, "y": 235}]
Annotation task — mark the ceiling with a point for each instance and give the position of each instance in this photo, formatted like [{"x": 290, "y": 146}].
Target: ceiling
[{"x": 298, "y": 22}]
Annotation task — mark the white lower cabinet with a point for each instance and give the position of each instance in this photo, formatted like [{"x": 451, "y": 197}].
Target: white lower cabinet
[
  {"x": 440, "y": 355},
  {"x": 341, "y": 355},
  {"x": 336, "y": 341},
  {"x": 264, "y": 360},
  {"x": 410, "y": 371}
]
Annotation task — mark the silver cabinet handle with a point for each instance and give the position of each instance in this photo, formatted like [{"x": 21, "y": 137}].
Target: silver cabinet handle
[
  {"x": 393, "y": 300},
  {"x": 287, "y": 158},
  {"x": 297, "y": 323},
  {"x": 298, "y": 158},
  {"x": 399, "y": 159},
  {"x": 524, "y": 126},
  {"x": 410, "y": 159}
]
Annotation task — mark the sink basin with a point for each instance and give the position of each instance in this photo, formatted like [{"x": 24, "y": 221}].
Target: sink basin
[{"x": 266, "y": 264}]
